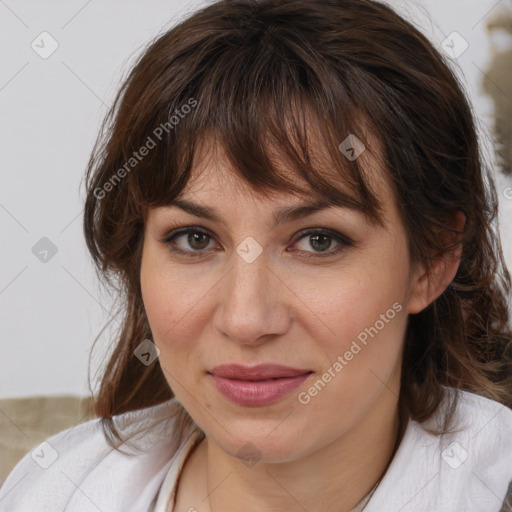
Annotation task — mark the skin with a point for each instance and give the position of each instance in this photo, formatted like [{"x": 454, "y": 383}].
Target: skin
[{"x": 287, "y": 309}]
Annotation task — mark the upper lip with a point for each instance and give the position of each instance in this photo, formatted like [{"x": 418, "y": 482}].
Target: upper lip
[{"x": 258, "y": 372}]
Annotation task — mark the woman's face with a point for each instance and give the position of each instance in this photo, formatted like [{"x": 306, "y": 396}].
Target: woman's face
[{"x": 246, "y": 290}]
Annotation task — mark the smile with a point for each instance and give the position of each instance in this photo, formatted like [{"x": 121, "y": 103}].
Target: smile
[{"x": 258, "y": 392}]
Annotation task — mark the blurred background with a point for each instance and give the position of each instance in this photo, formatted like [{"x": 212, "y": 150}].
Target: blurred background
[{"x": 60, "y": 67}]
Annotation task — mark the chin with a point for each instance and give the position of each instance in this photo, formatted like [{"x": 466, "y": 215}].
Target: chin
[{"x": 252, "y": 446}]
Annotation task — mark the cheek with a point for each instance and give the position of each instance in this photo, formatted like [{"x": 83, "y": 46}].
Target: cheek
[
  {"x": 166, "y": 303},
  {"x": 344, "y": 304},
  {"x": 365, "y": 327},
  {"x": 165, "y": 294},
  {"x": 360, "y": 351},
  {"x": 363, "y": 317},
  {"x": 177, "y": 308}
]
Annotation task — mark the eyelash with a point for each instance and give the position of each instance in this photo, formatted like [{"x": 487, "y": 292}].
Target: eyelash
[{"x": 343, "y": 240}]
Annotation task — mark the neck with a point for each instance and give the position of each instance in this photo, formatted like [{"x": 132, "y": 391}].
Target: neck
[{"x": 343, "y": 472}]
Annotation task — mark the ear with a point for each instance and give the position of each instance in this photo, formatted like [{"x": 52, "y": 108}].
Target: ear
[{"x": 427, "y": 286}]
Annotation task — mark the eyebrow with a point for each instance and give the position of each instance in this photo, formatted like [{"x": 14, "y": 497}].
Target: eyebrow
[{"x": 287, "y": 214}]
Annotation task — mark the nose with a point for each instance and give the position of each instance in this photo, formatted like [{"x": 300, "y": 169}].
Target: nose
[{"x": 252, "y": 305}]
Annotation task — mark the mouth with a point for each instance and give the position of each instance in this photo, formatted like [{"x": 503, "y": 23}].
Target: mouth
[
  {"x": 258, "y": 385},
  {"x": 257, "y": 373}
]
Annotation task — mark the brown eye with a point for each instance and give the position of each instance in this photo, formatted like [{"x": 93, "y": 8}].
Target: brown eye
[
  {"x": 189, "y": 241},
  {"x": 197, "y": 240},
  {"x": 321, "y": 241}
]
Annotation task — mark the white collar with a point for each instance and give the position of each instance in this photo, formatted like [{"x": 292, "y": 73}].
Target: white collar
[{"x": 468, "y": 471}]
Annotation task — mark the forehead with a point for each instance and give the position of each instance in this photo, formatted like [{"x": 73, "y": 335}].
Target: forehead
[{"x": 214, "y": 178}]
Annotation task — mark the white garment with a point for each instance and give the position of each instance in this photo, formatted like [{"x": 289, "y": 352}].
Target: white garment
[{"x": 469, "y": 471}]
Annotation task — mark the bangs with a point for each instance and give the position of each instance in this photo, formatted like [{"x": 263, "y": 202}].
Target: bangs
[{"x": 280, "y": 126}]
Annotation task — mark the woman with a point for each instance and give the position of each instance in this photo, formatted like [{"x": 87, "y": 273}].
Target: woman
[{"x": 290, "y": 198}]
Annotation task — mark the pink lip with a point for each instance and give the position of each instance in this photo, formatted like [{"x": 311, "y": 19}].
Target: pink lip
[
  {"x": 258, "y": 385},
  {"x": 258, "y": 372}
]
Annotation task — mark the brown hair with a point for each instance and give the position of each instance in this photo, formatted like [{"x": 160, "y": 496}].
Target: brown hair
[{"x": 247, "y": 72}]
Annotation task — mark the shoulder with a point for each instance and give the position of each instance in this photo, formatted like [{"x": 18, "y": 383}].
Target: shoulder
[
  {"x": 482, "y": 405},
  {"x": 483, "y": 420},
  {"x": 78, "y": 467},
  {"x": 474, "y": 417},
  {"x": 468, "y": 468},
  {"x": 478, "y": 438},
  {"x": 476, "y": 459}
]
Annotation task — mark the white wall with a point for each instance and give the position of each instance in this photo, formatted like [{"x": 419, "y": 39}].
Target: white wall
[{"x": 50, "y": 111}]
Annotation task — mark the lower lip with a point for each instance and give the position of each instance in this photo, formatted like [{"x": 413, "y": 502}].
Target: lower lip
[{"x": 264, "y": 392}]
